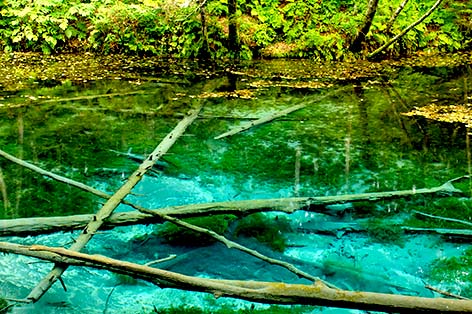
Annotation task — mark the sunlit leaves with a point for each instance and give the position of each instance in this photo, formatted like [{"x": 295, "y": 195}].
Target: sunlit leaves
[{"x": 445, "y": 113}]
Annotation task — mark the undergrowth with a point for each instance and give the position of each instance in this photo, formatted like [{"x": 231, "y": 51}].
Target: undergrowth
[{"x": 299, "y": 28}]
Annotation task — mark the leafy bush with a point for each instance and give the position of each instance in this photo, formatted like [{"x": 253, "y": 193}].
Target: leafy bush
[
  {"x": 298, "y": 28},
  {"x": 46, "y": 25}
]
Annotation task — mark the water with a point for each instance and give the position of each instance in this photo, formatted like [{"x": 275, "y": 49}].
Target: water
[{"x": 350, "y": 138}]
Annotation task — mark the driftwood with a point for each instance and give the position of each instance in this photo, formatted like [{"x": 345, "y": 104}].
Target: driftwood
[
  {"x": 271, "y": 116},
  {"x": 44, "y": 285},
  {"x": 446, "y": 293},
  {"x": 233, "y": 245},
  {"x": 457, "y": 233},
  {"x": 257, "y": 291},
  {"x": 160, "y": 165},
  {"x": 292, "y": 205},
  {"x": 262, "y": 120},
  {"x": 340, "y": 228},
  {"x": 30, "y": 226},
  {"x": 467, "y": 223},
  {"x": 113, "y": 202},
  {"x": 161, "y": 216}
]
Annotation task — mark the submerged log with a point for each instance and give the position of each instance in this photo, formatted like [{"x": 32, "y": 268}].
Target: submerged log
[
  {"x": 107, "y": 209},
  {"x": 160, "y": 165},
  {"x": 31, "y": 226},
  {"x": 271, "y": 116},
  {"x": 340, "y": 228},
  {"x": 256, "y": 291}
]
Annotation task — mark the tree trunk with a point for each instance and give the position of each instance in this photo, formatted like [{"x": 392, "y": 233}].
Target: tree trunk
[
  {"x": 256, "y": 291},
  {"x": 233, "y": 40},
  {"x": 205, "y": 50},
  {"x": 271, "y": 116},
  {"x": 356, "y": 44}
]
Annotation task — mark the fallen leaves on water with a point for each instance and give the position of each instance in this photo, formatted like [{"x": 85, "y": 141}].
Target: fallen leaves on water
[
  {"x": 304, "y": 85},
  {"x": 444, "y": 113},
  {"x": 240, "y": 93}
]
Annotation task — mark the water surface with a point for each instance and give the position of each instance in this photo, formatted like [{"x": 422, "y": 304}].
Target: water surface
[{"x": 350, "y": 137}]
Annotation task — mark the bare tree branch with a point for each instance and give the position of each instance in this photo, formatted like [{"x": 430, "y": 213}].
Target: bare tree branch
[{"x": 271, "y": 116}]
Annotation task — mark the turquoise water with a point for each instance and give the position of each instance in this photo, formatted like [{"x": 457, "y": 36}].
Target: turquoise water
[{"x": 349, "y": 138}]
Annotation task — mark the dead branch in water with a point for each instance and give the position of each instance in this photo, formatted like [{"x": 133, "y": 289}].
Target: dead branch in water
[
  {"x": 107, "y": 209},
  {"x": 31, "y": 226},
  {"x": 256, "y": 291}
]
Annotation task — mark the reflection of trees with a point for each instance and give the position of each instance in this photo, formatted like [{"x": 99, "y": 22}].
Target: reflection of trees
[{"x": 366, "y": 153}]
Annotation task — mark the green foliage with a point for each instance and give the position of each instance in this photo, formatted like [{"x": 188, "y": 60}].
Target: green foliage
[
  {"x": 441, "y": 31},
  {"x": 265, "y": 230},
  {"x": 45, "y": 25},
  {"x": 454, "y": 270},
  {"x": 297, "y": 28},
  {"x": 177, "y": 235}
]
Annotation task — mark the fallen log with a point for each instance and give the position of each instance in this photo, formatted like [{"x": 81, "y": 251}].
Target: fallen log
[
  {"x": 271, "y": 116},
  {"x": 338, "y": 229},
  {"x": 160, "y": 165},
  {"x": 467, "y": 223},
  {"x": 256, "y": 291},
  {"x": 31, "y": 226},
  {"x": 107, "y": 209}
]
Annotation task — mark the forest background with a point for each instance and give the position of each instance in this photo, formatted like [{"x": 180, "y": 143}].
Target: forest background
[{"x": 246, "y": 29}]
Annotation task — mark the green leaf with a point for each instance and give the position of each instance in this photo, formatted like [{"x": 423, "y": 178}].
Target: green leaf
[
  {"x": 50, "y": 40},
  {"x": 69, "y": 32},
  {"x": 64, "y": 24}
]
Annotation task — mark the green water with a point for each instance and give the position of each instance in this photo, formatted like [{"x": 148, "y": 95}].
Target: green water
[
  {"x": 354, "y": 139},
  {"x": 350, "y": 137}
]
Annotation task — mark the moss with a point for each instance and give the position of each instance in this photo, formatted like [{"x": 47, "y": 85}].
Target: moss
[
  {"x": 273, "y": 309},
  {"x": 266, "y": 230},
  {"x": 380, "y": 231},
  {"x": 450, "y": 207},
  {"x": 125, "y": 279},
  {"x": 454, "y": 270},
  {"x": 176, "y": 235}
]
